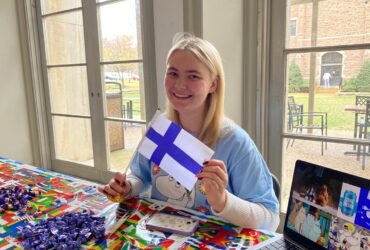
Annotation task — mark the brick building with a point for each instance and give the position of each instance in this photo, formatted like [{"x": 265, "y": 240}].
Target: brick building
[{"x": 326, "y": 23}]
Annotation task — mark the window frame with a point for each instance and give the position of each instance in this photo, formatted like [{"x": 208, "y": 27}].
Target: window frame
[
  {"x": 32, "y": 48},
  {"x": 277, "y": 92}
]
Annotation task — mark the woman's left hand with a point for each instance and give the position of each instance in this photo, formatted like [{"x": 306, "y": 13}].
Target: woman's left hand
[{"x": 214, "y": 179}]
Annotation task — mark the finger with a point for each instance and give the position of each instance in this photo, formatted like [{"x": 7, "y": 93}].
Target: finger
[
  {"x": 214, "y": 177},
  {"x": 215, "y": 165},
  {"x": 212, "y": 186},
  {"x": 115, "y": 187},
  {"x": 106, "y": 190},
  {"x": 214, "y": 162},
  {"x": 127, "y": 187},
  {"x": 111, "y": 191},
  {"x": 214, "y": 172},
  {"x": 101, "y": 189},
  {"x": 120, "y": 178}
]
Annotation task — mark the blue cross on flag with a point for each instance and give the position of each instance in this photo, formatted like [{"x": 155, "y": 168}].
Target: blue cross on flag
[{"x": 174, "y": 150}]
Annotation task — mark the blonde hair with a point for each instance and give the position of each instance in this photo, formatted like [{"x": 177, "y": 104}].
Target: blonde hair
[{"x": 205, "y": 52}]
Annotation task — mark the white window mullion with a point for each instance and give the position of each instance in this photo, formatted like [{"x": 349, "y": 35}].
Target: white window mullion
[
  {"x": 147, "y": 22},
  {"x": 47, "y": 116},
  {"x": 96, "y": 93},
  {"x": 276, "y": 87}
]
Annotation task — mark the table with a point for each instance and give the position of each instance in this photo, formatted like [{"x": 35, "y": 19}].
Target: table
[
  {"x": 357, "y": 109},
  {"x": 61, "y": 193},
  {"x": 360, "y": 109}
]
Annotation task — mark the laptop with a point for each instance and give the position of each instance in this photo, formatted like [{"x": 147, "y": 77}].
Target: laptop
[{"x": 327, "y": 209}]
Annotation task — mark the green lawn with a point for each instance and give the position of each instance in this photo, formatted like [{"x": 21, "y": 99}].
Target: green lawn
[
  {"x": 130, "y": 92},
  {"x": 338, "y": 118}
]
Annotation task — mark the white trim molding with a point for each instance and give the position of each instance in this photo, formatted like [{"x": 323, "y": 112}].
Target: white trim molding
[{"x": 34, "y": 83}]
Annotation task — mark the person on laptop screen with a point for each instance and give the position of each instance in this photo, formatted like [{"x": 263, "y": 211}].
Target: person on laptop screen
[{"x": 236, "y": 184}]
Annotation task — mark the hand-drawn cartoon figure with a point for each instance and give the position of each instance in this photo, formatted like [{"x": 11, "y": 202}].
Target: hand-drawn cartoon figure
[{"x": 176, "y": 193}]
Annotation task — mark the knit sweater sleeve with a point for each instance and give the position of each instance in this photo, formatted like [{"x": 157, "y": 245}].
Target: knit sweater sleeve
[
  {"x": 137, "y": 185},
  {"x": 248, "y": 214},
  {"x": 139, "y": 178}
]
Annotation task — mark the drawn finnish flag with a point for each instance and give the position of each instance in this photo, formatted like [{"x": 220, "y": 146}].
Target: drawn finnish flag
[{"x": 175, "y": 150}]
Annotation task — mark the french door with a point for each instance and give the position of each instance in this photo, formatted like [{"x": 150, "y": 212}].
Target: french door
[{"x": 93, "y": 70}]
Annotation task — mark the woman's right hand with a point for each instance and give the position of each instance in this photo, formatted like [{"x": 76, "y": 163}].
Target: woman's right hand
[{"x": 117, "y": 186}]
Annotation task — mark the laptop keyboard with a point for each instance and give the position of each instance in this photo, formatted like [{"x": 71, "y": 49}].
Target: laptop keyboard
[{"x": 281, "y": 244}]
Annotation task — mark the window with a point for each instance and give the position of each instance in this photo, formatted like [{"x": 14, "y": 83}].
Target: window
[
  {"x": 293, "y": 27},
  {"x": 332, "y": 47},
  {"x": 94, "y": 79}
]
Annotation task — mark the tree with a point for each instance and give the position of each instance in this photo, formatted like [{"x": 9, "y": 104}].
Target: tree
[
  {"x": 295, "y": 82},
  {"x": 120, "y": 49}
]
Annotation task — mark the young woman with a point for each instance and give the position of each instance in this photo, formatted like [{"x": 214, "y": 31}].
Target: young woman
[{"x": 236, "y": 184}]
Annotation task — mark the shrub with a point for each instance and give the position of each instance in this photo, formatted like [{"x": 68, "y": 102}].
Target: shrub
[
  {"x": 359, "y": 83},
  {"x": 363, "y": 78},
  {"x": 296, "y": 82},
  {"x": 349, "y": 86},
  {"x": 305, "y": 86}
]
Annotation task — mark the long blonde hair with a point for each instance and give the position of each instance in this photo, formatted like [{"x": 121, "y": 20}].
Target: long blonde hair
[{"x": 205, "y": 52}]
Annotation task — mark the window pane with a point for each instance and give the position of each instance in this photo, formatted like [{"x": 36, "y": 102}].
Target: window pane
[
  {"x": 72, "y": 138},
  {"x": 293, "y": 27},
  {"x": 64, "y": 38},
  {"x": 334, "y": 157},
  {"x": 120, "y": 31},
  {"x": 50, "y": 6},
  {"x": 326, "y": 82},
  {"x": 68, "y": 90},
  {"x": 124, "y": 91},
  {"x": 123, "y": 139},
  {"x": 336, "y": 23}
]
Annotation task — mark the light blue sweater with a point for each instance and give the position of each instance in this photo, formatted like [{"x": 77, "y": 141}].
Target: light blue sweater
[{"x": 249, "y": 177}]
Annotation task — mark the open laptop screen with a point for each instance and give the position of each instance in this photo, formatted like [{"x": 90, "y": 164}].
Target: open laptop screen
[{"x": 328, "y": 209}]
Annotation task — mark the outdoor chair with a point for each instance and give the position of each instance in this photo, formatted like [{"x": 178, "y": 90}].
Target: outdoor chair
[
  {"x": 276, "y": 185},
  {"x": 364, "y": 133},
  {"x": 359, "y": 118},
  {"x": 299, "y": 120}
]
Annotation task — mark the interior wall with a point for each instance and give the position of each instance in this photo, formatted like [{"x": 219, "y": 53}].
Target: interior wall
[
  {"x": 168, "y": 20},
  {"x": 222, "y": 26},
  {"x": 15, "y": 139}
]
